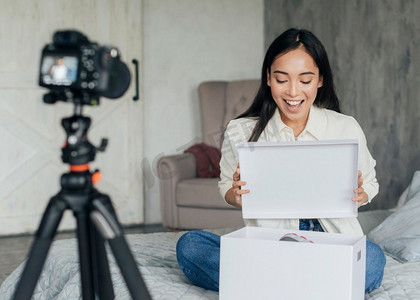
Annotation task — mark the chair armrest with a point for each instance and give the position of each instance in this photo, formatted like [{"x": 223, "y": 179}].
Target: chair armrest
[
  {"x": 177, "y": 167},
  {"x": 171, "y": 170}
]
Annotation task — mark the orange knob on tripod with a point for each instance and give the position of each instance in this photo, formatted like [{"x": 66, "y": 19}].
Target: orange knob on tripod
[
  {"x": 79, "y": 168},
  {"x": 96, "y": 177}
]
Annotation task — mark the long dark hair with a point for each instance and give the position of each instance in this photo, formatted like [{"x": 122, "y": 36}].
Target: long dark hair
[{"x": 263, "y": 107}]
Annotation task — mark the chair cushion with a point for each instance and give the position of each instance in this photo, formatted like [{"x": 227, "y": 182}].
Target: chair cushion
[{"x": 200, "y": 192}]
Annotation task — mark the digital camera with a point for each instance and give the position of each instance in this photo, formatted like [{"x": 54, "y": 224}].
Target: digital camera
[{"x": 72, "y": 67}]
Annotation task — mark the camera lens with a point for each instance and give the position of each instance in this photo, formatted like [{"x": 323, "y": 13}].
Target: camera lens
[{"x": 119, "y": 81}]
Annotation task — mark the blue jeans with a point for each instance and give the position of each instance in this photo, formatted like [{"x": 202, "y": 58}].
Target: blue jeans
[
  {"x": 310, "y": 225},
  {"x": 198, "y": 255}
]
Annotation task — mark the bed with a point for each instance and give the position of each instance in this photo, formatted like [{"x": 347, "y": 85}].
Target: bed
[{"x": 156, "y": 258}]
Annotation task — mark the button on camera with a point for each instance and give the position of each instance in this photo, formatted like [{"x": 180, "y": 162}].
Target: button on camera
[{"x": 72, "y": 140}]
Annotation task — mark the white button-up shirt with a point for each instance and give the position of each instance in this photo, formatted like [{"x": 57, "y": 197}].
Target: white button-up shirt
[{"x": 323, "y": 124}]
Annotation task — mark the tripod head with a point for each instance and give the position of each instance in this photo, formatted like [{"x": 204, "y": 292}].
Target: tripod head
[{"x": 77, "y": 149}]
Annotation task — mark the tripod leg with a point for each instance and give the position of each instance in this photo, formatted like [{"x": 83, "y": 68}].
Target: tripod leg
[
  {"x": 128, "y": 267},
  {"x": 39, "y": 249},
  {"x": 102, "y": 276},
  {"x": 85, "y": 255},
  {"x": 105, "y": 219}
]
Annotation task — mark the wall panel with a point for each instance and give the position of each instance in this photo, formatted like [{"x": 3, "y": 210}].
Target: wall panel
[{"x": 374, "y": 51}]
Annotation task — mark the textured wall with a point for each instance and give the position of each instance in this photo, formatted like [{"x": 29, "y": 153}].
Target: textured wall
[{"x": 374, "y": 50}]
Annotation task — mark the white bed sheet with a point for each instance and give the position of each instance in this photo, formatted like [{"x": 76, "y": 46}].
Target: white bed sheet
[{"x": 155, "y": 255}]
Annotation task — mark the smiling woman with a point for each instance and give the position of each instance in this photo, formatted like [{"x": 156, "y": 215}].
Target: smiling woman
[
  {"x": 296, "y": 64},
  {"x": 294, "y": 81},
  {"x": 296, "y": 101}
]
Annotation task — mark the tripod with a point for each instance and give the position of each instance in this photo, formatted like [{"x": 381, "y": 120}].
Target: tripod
[{"x": 96, "y": 223}]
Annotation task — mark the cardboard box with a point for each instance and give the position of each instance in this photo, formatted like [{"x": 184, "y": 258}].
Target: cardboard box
[{"x": 254, "y": 264}]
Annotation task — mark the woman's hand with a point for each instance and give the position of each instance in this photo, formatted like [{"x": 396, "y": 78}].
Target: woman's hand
[
  {"x": 361, "y": 197},
  {"x": 234, "y": 194}
]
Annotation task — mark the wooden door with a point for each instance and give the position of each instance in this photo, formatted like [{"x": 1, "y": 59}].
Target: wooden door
[{"x": 30, "y": 131}]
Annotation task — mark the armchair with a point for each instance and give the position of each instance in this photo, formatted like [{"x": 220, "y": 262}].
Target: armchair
[{"x": 188, "y": 202}]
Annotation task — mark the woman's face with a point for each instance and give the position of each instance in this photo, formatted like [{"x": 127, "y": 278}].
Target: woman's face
[{"x": 294, "y": 81}]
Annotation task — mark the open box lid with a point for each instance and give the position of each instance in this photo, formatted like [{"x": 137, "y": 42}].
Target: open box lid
[{"x": 311, "y": 179}]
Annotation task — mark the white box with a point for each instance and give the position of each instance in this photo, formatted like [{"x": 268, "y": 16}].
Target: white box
[
  {"x": 254, "y": 264},
  {"x": 313, "y": 179}
]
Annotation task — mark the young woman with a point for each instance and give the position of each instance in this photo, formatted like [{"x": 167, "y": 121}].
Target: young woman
[{"x": 296, "y": 101}]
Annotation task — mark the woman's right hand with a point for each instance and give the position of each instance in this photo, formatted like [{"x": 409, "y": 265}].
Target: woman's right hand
[{"x": 234, "y": 195}]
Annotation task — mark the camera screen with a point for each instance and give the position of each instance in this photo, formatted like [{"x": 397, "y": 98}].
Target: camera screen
[{"x": 59, "y": 70}]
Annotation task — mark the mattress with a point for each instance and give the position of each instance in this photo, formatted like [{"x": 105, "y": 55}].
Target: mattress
[{"x": 156, "y": 258}]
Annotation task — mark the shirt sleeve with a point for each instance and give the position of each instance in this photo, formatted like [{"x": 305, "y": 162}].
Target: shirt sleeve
[
  {"x": 366, "y": 166},
  {"x": 237, "y": 131},
  {"x": 229, "y": 160}
]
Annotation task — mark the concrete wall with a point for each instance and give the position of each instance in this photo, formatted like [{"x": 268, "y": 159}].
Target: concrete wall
[
  {"x": 187, "y": 42},
  {"x": 374, "y": 50}
]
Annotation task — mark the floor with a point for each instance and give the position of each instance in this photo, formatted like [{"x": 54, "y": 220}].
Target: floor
[{"x": 13, "y": 250}]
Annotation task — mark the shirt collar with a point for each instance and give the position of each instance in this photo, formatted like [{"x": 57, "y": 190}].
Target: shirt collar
[
  {"x": 278, "y": 123},
  {"x": 316, "y": 124}
]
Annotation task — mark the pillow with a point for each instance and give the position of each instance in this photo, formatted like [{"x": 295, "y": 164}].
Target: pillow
[
  {"x": 371, "y": 218},
  {"x": 403, "y": 198},
  {"x": 399, "y": 234}
]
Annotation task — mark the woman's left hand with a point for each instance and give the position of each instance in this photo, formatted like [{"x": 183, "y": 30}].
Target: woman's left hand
[{"x": 361, "y": 197}]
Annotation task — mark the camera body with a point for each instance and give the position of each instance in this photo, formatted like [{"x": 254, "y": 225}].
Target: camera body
[{"x": 77, "y": 70}]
